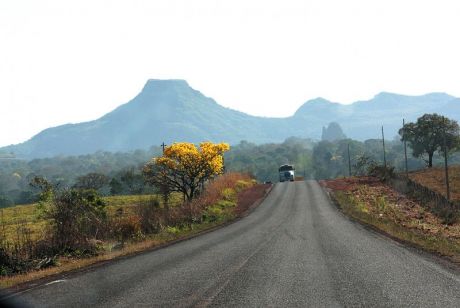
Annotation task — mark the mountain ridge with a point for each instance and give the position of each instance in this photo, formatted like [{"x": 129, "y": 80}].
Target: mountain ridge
[{"x": 170, "y": 110}]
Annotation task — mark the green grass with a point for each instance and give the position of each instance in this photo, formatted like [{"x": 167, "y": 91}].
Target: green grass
[{"x": 28, "y": 216}]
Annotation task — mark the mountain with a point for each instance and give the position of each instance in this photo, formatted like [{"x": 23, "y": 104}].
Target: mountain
[
  {"x": 170, "y": 110},
  {"x": 363, "y": 119}
]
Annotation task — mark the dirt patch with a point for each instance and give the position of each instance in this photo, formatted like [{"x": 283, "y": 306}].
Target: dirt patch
[
  {"x": 349, "y": 184},
  {"x": 434, "y": 179}
]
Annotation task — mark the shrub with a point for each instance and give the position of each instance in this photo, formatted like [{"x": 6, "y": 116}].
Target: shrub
[
  {"x": 229, "y": 194},
  {"x": 225, "y": 204},
  {"x": 126, "y": 228},
  {"x": 242, "y": 184},
  {"x": 382, "y": 172},
  {"x": 151, "y": 216},
  {"x": 77, "y": 216},
  {"x": 448, "y": 214},
  {"x": 363, "y": 164},
  {"x": 23, "y": 254},
  {"x": 213, "y": 213},
  {"x": 173, "y": 230}
]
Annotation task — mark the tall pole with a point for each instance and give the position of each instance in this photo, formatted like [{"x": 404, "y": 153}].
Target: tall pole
[
  {"x": 163, "y": 145},
  {"x": 349, "y": 161},
  {"x": 405, "y": 149},
  {"x": 384, "y": 155},
  {"x": 445, "y": 163}
]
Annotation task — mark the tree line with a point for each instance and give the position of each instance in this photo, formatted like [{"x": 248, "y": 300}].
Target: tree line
[{"x": 122, "y": 173}]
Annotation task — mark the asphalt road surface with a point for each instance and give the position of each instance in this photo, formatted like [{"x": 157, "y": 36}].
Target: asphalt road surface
[{"x": 295, "y": 249}]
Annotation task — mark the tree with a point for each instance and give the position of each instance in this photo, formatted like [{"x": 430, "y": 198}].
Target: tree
[
  {"x": 132, "y": 179},
  {"x": 116, "y": 187},
  {"x": 427, "y": 135},
  {"x": 91, "y": 180},
  {"x": 324, "y": 165},
  {"x": 184, "y": 168}
]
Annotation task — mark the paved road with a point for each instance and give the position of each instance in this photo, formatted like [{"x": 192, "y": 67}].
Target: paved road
[{"x": 296, "y": 249}]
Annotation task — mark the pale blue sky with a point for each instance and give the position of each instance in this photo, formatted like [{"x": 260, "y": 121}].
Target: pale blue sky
[{"x": 71, "y": 61}]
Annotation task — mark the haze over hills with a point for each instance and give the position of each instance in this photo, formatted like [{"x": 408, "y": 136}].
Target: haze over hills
[{"x": 170, "y": 110}]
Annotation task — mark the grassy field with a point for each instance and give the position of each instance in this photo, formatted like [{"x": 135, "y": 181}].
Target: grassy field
[
  {"x": 434, "y": 178},
  {"x": 28, "y": 216}
]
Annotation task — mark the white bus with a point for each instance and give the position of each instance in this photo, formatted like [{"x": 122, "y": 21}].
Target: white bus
[{"x": 286, "y": 173}]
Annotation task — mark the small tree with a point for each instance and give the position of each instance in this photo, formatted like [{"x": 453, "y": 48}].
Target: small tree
[
  {"x": 132, "y": 179},
  {"x": 184, "y": 168},
  {"x": 76, "y": 216},
  {"x": 116, "y": 187},
  {"x": 426, "y": 136},
  {"x": 364, "y": 164}
]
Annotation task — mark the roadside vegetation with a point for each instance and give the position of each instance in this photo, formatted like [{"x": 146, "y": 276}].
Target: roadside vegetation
[
  {"x": 34, "y": 245},
  {"x": 413, "y": 207},
  {"x": 370, "y": 201},
  {"x": 97, "y": 206},
  {"x": 75, "y": 226}
]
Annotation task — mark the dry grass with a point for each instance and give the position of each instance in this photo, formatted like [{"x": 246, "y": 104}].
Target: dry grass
[
  {"x": 215, "y": 188},
  {"x": 21, "y": 216},
  {"x": 434, "y": 179},
  {"x": 68, "y": 264},
  {"x": 221, "y": 193},
  {"x": 12, "y": 218},
  {"x": 376, "y": 204}
]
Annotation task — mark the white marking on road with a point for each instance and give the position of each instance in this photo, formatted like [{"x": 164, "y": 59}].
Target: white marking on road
[
  {"x": 33, "y": 287},
  {"x": 55, "y": 281}
]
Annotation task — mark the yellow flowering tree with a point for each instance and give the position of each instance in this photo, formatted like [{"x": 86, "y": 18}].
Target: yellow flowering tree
[{"x": 184, "y": 167}]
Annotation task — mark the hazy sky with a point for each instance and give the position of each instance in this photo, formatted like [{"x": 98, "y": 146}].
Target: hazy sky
[{"x": 72, "y": 61}]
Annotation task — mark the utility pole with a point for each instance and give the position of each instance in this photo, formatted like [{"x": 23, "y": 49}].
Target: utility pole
[
  {"x": 405, "y": 149},
  {"x": 446, "y": 168},
  {"x": 163, "y": 145},
  {"x": 349, "y": 161},
  {"x": 384, "y": 155}
]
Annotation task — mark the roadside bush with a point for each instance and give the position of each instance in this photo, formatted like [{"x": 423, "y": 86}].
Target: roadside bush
[
  {"x": 127, "y": 228},
  {"x": 151, "y": 216},
  {"x": 4, "y": 262},
  {"x": 23, "y": 254},
  {"x": 364, "y": 163},
  {"x": 242, "y": 184},
  {"x": 212, "y": 214},
  {"x": 384, "y": 173},
  {"x": 78, "y": 217},
  {"x": 173, "y": 230},
  {"x": 448, "y": 214},
  {"x": 229, "y": 194}
]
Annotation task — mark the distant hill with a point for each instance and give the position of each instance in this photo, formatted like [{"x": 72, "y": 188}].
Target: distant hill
[
  {"x": 363, "y": 119},
  {"x": 170, "y": 110}
]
